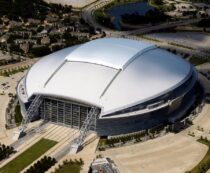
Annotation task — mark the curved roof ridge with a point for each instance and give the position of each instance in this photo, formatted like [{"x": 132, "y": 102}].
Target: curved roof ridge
[
  {"x": 110, "y": 52},
  {"x": 137, "y": 55}
]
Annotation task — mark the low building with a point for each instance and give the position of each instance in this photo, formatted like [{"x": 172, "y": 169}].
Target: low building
[{"x": 45, "y": 40}]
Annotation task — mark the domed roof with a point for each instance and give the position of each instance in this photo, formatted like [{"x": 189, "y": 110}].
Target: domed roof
[{"x": 110, "y": 73}]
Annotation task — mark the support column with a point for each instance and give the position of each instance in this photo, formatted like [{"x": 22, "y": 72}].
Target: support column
[
  {"x": 71, "y": 116},
  {"x": 79, "y": 118},
  {"x": 64, "y": 113}
]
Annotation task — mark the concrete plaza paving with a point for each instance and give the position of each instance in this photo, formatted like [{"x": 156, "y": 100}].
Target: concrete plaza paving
[{"x": 173, "y": 153}]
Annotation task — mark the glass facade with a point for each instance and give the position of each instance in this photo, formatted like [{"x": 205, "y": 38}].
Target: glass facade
[{"x": 64, "y": 112}]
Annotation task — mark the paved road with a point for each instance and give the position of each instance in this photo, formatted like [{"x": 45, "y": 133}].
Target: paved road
[
  {"x": 19, "y": 64},
  {"x": 87, "y": 13},
  {"x": 87, "y": 16}
]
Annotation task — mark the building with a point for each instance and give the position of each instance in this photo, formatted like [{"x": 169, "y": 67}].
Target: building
[
  {"x": 135, "y": 85},
  {"x": 103, "y": 165}
]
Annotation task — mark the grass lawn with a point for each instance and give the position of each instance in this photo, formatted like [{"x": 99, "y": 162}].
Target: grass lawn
[
  {"x": 204, "y": 164},
  {"x": 28, "y": 156},
  {"x": 198, "y": 60},
  {"x": 70, "y": 166}
]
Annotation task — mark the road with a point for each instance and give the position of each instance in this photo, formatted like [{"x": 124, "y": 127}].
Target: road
[
  {"x": 88, "y": 10},
  {"x": 27, "y": 62},
  {"x": 87, "y": 16}
]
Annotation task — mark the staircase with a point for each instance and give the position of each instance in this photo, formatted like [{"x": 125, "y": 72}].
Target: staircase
[
  {"x": 32, "y": 110},
  {"x": 76, "y": 143}
]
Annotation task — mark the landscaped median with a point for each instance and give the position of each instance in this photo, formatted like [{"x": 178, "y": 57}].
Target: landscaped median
[
  {"x": 71, "y": 166},
  {"x": 28, "y": 156},
  {"x": 204, "y": 164}
]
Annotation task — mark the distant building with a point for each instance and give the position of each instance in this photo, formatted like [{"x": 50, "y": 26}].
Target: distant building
[
  {"x": 102, "y": 165},
  {"x": 45, "y": 40},
  {"x": 4, "y": 38},
  {"x": 14, "y": 24},
  {"x": 33, "y": 22},
  {"x": 20, "y": 41},
  {"x": 25, "y": 47}
]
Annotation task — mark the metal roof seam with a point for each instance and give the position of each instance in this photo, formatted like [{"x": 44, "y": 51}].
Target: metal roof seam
[
  {"x": 138, "y": 55},
  {"x": 56, "y": 70},
  {"x": 107, "y": 87}
]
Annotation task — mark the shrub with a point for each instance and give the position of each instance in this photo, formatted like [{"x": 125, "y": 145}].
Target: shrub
[
  {"x": 41, "y": 165},
  {"x": 70, "y": 166},
  {"x": 5, "y": 151}
]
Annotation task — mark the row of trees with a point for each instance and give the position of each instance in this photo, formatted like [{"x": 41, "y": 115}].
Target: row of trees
[
  {"x": 204, "y": 1},
  {"x": 42, "y": 165},
  {"x": 73, "y": 166},
  {"x": 9, "y": 72},
  {"x": 5, "y": 151},
  {"x": 11, "y": 112},
  {"x": 160, "y": 5},
  {"x": 122, "y": 139},
  {"x": 156, "y": 2},
  {"x": 18, "y": 116},
  {"x": 152, "y": 16},
  {"x": 204, "y": 165},
  {"x": 136, "y": 137},
  {"x": 30, "y": 9},
  {"x": 9, "y": 61},
  {"x": 103, "y": 18},
  {"x": 204, "y": 23}
]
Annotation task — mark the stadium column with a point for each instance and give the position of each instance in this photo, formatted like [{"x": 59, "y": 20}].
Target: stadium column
[
  {"x": 57, "y": 110},
  {"x": 43, "y": 113},
  {"x": 50, "y": 110},
  {"x": 71, "y": 116},
  {"x": 64, "y": 113},
  {"x": 79, "y": 123}
]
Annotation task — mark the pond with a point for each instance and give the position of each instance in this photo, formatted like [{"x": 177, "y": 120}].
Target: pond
[{"x": 115, "y": 12}]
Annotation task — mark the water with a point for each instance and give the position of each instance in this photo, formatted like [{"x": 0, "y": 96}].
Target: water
[{"x": 137, "y": 7}]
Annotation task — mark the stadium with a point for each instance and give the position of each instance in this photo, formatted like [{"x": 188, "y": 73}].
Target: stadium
[{"x": 134, "y": 86}]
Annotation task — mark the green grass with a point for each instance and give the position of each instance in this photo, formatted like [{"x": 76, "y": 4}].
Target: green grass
[
  {"x": 149, "y": 38},
  {"x": 28, "y": 156},
  {"x": 119, "y": 2},
  {"x": 160, "y": 5},
  {"x": 204, "y": 164},
  {"x": 180, "y": 45},
  {"x": 198, "y": 60},
  {"x": 70, "y": 166},
  {"x": 74, "y": 168}
]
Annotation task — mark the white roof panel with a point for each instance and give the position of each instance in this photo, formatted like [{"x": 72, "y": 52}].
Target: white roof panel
[
  {"x": 149, "y": 76},
  {"x": 111, "y": 52},
  {"x": 42, "y": 70},
  {"x": 85, "y": 85}
]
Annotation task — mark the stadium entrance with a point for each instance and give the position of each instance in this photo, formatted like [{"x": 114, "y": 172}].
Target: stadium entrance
[{"x": 65, "y": 112}]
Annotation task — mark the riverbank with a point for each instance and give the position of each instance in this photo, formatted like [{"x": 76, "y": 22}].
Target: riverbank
[
  {"x": 130, "y": 14},
  {"x": 100, "y": 15},
  {"x": 160, "y": 5}
]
